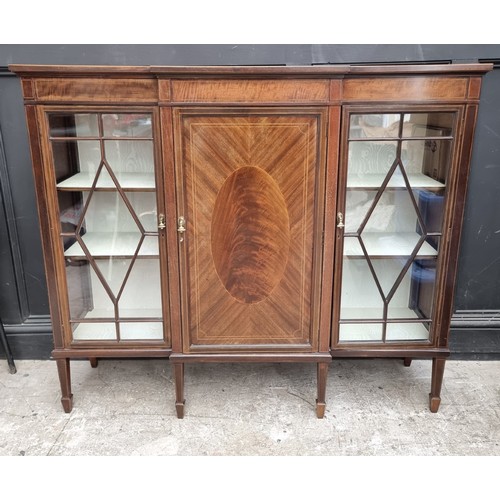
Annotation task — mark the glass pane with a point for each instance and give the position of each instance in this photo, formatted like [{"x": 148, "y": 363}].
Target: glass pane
[
  {"x": 431, "y": 206},
  {"x": 108, "y": 213},
  {"x": 94, "y": 331},
  {"x": 130, "y": 156},
  {"x": 422, "y": 279},
  {"x": 71, "y": 205},
  {"x": 144, "y": 206},
  {"x": 388, "y": 271},
  {"x": 430, "y": 158},
  {"x": 360, "y": 297},
  {"x": 147, "y": 303},
  {"x": 87, "y": 296},
  {"x": 400, "y": 303},
  {"x": 394, "y": 212},
  {"x": 73, "y": 125},
  {"x": 367, "y": 332},
  {"x": 369, "y": 162},
  {"x": 76, "y": 163},
  {"x": 407, "y": 331},
  {"x": 113, "y": 271},
  {"x": 428, "y": 124},
  {"x": 141, "y": 331},
  {"x": 357, "y": 205},
  {"x": 127, "y": 125},
  {"x": 374, "y": 125}
]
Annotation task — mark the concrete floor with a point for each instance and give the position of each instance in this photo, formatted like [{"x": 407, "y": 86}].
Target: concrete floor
[{"x": 374, "y": 407}]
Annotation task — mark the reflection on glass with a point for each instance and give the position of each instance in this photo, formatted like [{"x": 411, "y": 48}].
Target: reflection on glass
[
  {"x": 370, "y": 158},
  {"x": 127, "y": 125},
  {"x": 427, "y": 157},
  {"x": 73, "y": 125},
  {"x": 74, "y": 157},
  {"x": 393, "y": 222},
  {"x": 374, "y": 125},
  {"x": 423, "y": 280},
  {"x": 357, "y": 205},
  {"x": 88, "y": 298},
  {"x": 130, "y": 156},
  {"x": 428, "y": 124}
]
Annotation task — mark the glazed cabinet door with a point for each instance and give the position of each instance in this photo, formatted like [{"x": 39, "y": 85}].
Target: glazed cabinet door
[
  {"x": 397, "y": 175},
  {"x": 103, "y": 174},
  {"x": 250, "y": 187}
]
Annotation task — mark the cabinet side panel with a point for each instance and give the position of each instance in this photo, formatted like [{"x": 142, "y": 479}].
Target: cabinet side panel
[
  {"x": 457, "y": 221},
  {"x": 104, "y": 90},
  {"x": 43, "y": 206},
  {"x": 405, "y": 89}
]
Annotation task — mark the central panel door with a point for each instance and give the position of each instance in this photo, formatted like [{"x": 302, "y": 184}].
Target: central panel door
[{"x": 251, "y": 227}]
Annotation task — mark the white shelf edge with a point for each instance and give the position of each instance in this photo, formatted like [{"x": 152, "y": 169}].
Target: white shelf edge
[
  {"x": 114, "y": 245},
  {"x": 374, "y": 181},
  {"x": 387, "y": 245},
  {"x": 84, "y": 181}
]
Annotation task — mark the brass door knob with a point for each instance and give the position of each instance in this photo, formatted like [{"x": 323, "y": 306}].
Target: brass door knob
[
  {"x": 181, "y": 225},
  {"x": 161, "y": 221},
  {"x": 340, "y": 220}
]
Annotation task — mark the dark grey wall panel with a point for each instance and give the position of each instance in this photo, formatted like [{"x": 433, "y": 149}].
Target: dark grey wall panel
[
  {"x": 9, "y": 304},
  {"x": 22, "y": 190},
  {"x": 478, "y": 285},
  {"x": 239, "y": 54}
]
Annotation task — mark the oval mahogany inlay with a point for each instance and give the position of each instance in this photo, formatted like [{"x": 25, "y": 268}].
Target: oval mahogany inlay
[{"x": 250, "y": 234}]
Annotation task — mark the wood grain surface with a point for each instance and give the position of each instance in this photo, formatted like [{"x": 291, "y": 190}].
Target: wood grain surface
[
  {"x": 250, "y": 234},
  {"x": 232, "y": 91},
  {"x": 97, "y": 90},
  {"x": 418, "y": 88},
  {"x": 249, "y": 184}
]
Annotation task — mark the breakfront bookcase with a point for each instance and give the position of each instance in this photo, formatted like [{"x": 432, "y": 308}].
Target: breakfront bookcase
[{"x": 251, "y": 214}]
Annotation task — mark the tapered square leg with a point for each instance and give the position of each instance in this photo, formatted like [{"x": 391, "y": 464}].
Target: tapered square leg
[
  {"x": 320, "y": 401},
  {"x": 407, "y": 361},
  {"x": 63, "y": 369},
  {"x": 93, "y": 362},
  {"x": 179, "y": 389},
  {"x": 436, "y": 383}
]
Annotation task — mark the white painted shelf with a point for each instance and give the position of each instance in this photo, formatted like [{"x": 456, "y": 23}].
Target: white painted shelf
[
  {"x": 374, "y": 181},
  {"x": 387, "y": 245},
  {"x": 362, "y": 313},
  {"x": 114, "y": 245},
  {"x": 372, "y": 332},
  {"x": 84, "y": 180},
  {"x": 128, "y": 331},
  {"x": 351, "y": 332}
]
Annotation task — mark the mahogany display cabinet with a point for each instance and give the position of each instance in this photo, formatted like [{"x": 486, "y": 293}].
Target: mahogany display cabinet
[{"x": 251, "y": 214}]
